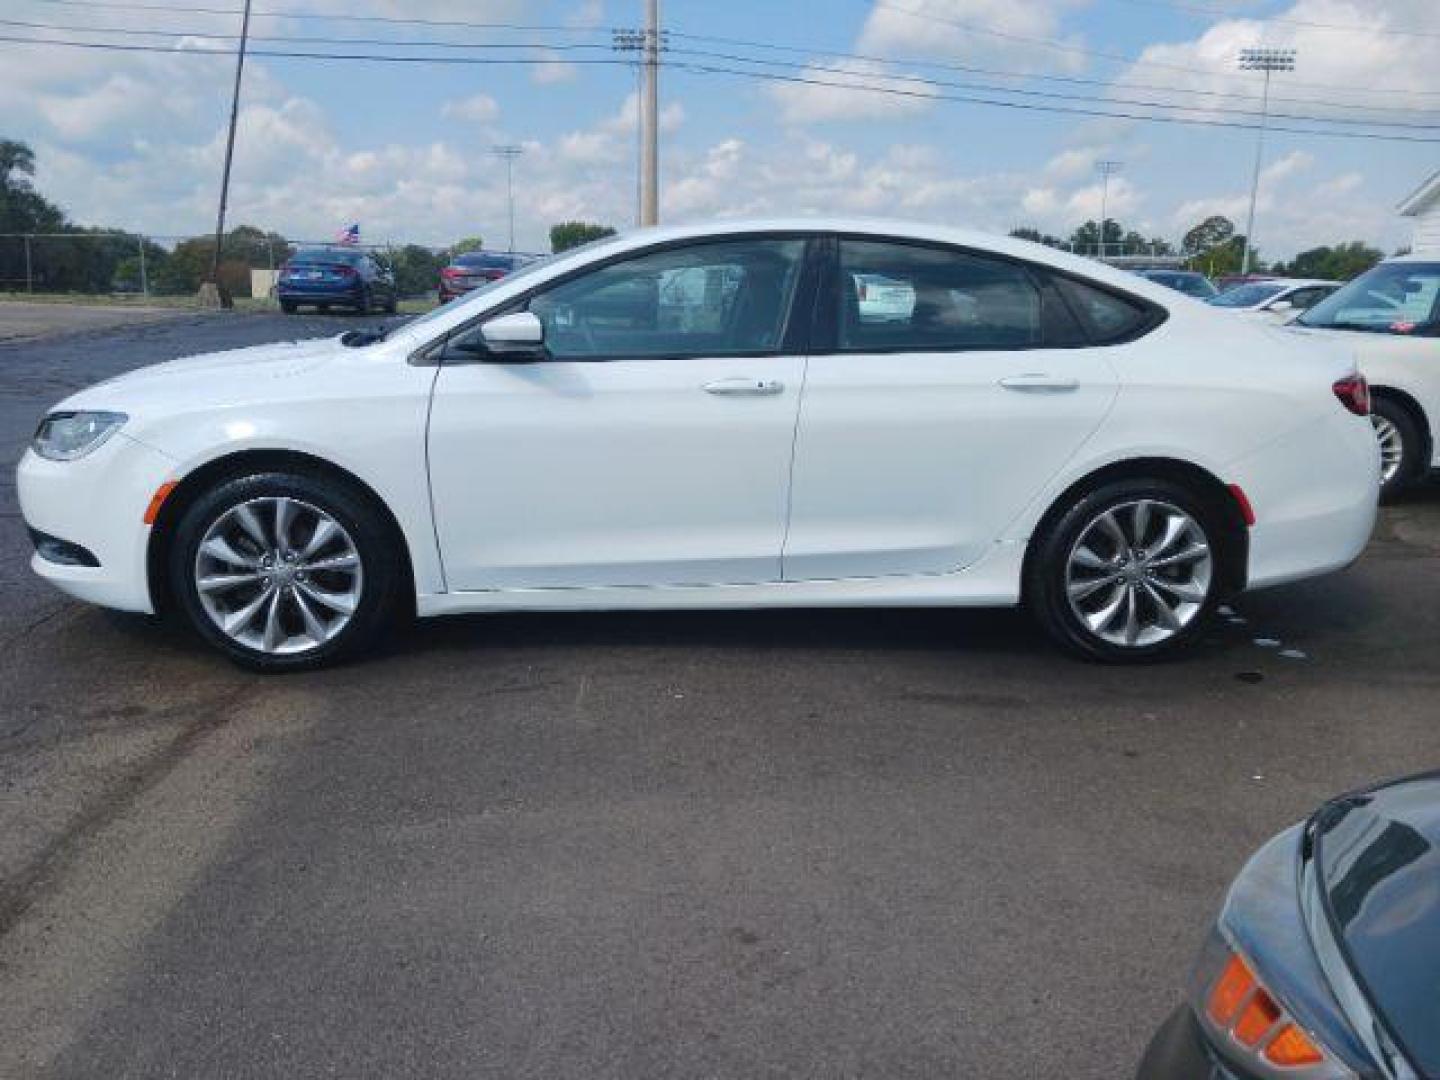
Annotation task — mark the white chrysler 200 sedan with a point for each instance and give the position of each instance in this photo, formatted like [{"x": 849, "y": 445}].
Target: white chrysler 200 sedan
[{"x": 711, "y": 417}]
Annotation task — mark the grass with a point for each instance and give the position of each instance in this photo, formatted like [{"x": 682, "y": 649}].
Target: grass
[{"x": 413, "y": 306}]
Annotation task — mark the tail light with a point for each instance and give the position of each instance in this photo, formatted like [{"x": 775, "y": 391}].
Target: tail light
[
  {"x": 1244, "y": 1013},
  {"x": 1354, "y": 393},
  {"x": 862, "y": 291},
  {"x": 452, "y": 272}
]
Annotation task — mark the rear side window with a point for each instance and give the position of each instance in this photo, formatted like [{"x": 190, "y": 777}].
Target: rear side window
[
  {"x": 909, "y": 297},
  {"x": 1109, "y": 317}
]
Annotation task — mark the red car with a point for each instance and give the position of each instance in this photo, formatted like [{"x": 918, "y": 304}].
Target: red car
[{"x": 476, "y": 268}]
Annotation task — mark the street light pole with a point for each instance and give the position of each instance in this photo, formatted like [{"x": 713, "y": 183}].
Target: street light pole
[
  {"x": 1106, "y": 168},
  {"x": 1266, "y": 60},
  {"x": 224, "y": 297},
  {"x": 650, "y": 118},
  {"x": 509, "y": 153}
]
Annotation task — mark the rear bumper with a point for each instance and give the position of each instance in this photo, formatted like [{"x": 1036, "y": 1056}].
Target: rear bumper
[
  {"x": 1177, "y": 1052},
  {"x": 1315, "y": 492},
  {"x": 303, "y": 293}
]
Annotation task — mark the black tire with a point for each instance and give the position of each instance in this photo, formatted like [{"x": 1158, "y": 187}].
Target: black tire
[
  {"x": 379, "y": 602},
  {"x": 1406, "y": 428},
  {"x": 288, "y": 306},
  {"x": 1047, "y": 573}
]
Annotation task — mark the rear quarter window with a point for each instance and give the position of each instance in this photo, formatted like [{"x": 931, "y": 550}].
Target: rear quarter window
[{"x": 1110, "y": 318}]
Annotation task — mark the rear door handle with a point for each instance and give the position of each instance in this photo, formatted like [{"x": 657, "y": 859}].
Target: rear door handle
[
  {"x": 1038, "y": 382},
  {"x": 744, "y": 385}
]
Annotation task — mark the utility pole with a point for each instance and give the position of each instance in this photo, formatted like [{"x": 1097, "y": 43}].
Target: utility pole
[
  {"x": 649, "y": 43},
  {"x": 509, "y": 153},
  {"x": 1266, "y": 60},
  {"x": 1105, "y": 168},
  {"x": 144, "y": 277},
  {"x": 650, "y": 113},
  {"x": 224, "y": 297}
]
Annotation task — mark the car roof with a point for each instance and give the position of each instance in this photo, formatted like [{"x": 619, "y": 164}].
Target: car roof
[{"x": 882, "y": 228}]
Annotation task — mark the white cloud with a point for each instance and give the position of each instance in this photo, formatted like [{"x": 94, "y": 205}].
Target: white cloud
[
  {"x": 479, "y": 108},
  {"x": 845, "y": 90},
  {"x": 552, "y": 68},
  {"x": 1004, "y": 31}
]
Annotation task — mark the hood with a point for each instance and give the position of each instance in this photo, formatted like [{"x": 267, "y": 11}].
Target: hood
[
  {"x": 231, "y": 377},
  {"x": 1378, "y": 854}
]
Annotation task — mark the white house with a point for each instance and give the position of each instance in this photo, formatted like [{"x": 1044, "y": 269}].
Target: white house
[{"x": 1423, "y": 204}]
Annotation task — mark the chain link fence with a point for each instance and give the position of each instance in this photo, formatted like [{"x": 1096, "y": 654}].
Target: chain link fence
[{"x": 148, "y": 266}]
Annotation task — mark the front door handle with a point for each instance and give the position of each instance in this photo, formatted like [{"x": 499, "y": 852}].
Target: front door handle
[
  {"x": 1038, "y": 382},
  {"x": 745, "y": 385}
]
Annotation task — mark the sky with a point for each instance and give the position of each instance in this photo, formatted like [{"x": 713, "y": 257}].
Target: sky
[{"x": 870, "y": 109}]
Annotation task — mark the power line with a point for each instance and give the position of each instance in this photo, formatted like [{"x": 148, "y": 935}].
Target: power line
[
  {"x": 1120, "y": 58},
  {"x": 901, "y": 77},
  {"x": 302, "y": 39},
  {"x": 293, "y": 54},
  {"x": 735, "y": 58},
  {"x": 1067, "y": 79},
  {"x": 708, "y": 69},
  {"x": 121, "y": 5},
  {"x": 932, "y": 95}
]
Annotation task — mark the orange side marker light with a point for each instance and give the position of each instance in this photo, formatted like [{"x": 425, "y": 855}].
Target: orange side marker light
[{"x": 158, "y": 500}]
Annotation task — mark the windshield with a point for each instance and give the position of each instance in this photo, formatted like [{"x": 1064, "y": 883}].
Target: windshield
[
  {"x": 1380, "y": 883},
  {"x": 1392, "y": 298},
  {"x": 1247, "y": 295},
  {"x": 1189, "y": 284},
  {"x": 529, "y": 268}
]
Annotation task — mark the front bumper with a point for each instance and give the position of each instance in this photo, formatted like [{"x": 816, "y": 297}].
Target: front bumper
[
  {"x": 96, "y": 503},
  {"x": 1178, "y": 1052}
]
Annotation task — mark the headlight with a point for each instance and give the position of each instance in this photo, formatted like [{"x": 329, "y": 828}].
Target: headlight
[{"x": 65, "y": 436}]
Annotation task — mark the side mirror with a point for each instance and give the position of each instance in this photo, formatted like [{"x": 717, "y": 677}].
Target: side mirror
[{"x": 519, "y": 332}]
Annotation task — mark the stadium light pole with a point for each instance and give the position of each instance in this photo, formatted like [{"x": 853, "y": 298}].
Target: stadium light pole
[
  {"x": 509, "y": 153},
  {"x": 1266, "y": 60},
  {"x": 1106, "y": 169},
  {"x": 223, "y": 296}
]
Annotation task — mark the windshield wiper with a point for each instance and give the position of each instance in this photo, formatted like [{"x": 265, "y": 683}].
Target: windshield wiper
[{"x": 358, "y": 338}]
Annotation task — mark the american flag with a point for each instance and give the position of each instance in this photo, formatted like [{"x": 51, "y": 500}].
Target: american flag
[{"x": 349, "y": 234}]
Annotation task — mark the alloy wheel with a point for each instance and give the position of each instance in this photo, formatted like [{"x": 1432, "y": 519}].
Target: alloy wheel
[
  {"x": 278, "y": 575},
  {"x": 1392, "y": 447},
  {"x": 1139, "y": 573}
]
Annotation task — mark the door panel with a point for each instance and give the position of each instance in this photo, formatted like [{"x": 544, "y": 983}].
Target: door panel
[
  {"x": 597, "y": 468},
  {"x": 919, "y": 444}
]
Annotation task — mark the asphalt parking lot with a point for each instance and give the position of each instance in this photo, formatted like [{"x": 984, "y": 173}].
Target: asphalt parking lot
[{"x": 882, "y": 844}]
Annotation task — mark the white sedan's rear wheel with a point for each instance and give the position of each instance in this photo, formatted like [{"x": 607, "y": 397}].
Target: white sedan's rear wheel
[{"x": 1131, "y": 571}]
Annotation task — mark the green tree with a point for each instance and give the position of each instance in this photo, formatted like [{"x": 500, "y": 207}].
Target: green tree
[
  {"x": 571, "y": 234},
  {"x": 417, "y": 269},
  {"x": 1027, "y": 232},
  {"x": 244, "y": 248},
  {"x": 1338, "y": 263},
  {"x": 469, "y": 243},
  {"x": 1209, "y": 234}
]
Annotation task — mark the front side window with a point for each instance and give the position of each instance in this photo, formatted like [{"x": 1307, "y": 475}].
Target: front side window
[
  {"x": 897, "y": 296},
  {"x": 726, "y": 298},
  {"x": 1392, "y": 298}
]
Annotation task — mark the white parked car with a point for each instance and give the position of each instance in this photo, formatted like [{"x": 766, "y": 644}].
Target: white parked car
[
  {"x": 1389, "y": 318},
  {"x": 1037, "y": 428},
  {"x": 1277, "y": 301}
]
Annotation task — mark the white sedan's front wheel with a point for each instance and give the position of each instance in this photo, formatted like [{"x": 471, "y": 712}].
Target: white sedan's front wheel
[{"x": 284, "y": 571}]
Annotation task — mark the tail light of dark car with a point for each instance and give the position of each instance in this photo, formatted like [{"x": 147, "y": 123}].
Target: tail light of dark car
[
  {"x": 1354, "y": 393},
  {"x": 346, "y": 271}
]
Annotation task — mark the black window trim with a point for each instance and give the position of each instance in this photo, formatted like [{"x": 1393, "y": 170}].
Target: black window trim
[
  {"x": 794, "y": 338},
  {"x": 825, "y": 335}
]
